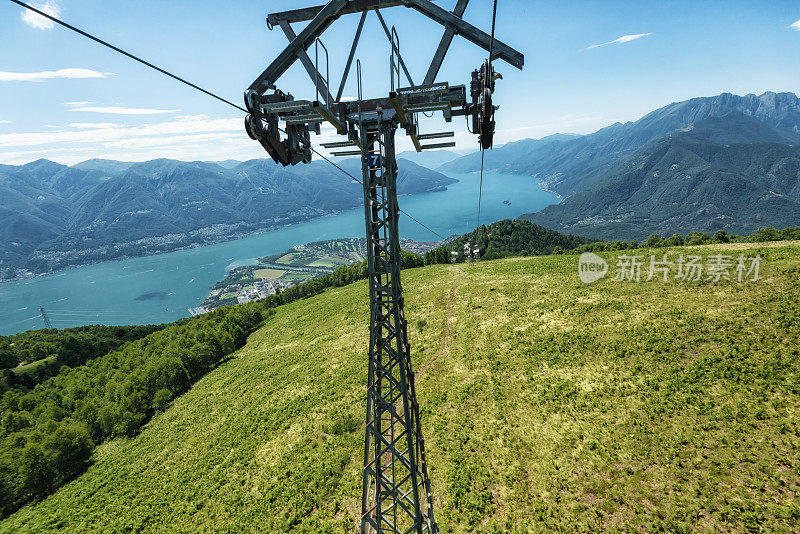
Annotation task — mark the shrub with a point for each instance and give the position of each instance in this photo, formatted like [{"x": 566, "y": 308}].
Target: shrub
[
  {"x": 653, "y": 241},
  {"x": 675, "y": 241},
  {"x": 698, "y": 238},
  {"x": 721, "y": 236},
  {"x": 161, "y": 399}
]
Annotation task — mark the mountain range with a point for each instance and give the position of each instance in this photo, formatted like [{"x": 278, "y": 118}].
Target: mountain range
[
  {"x": 53, "y": 216},
  {"x": 724, "y": 162},
  {"x": 429, "y": 158}
]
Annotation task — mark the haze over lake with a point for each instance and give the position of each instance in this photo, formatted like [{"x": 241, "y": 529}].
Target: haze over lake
[{"x": 161, "y": 288}]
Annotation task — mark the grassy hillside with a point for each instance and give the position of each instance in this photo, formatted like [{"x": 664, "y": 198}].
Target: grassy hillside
[{"x": 547, "y": 404}]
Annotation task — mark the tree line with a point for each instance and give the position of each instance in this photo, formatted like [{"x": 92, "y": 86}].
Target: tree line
[
  {"x": 522, "y": 238},
  {"x": 509, "y": 237},
  {"x": 28, "y": 358},
  {"x": 47, "y": 433}
]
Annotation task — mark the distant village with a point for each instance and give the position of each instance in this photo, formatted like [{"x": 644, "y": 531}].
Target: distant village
[
  {"x": 244, "y": 293},
  {"x": 278, "y": 273}
]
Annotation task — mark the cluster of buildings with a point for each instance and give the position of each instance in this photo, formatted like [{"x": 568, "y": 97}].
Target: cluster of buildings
[
  {"x": 262, "y": 289},
  {"x": 417, "y": 247},
  {"x": 258, "y": 290},
  {"x": 341, "y": 250}
]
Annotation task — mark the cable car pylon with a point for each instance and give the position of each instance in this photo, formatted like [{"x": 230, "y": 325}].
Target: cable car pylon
[
  {"x": 396, "y": 491},
  {"x": 46, "y": 319}
]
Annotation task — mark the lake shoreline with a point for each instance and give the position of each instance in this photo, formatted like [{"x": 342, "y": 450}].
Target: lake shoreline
[
  {"x": 225, "y": 239},
  {"x": 542, "y": 184},
  {"x": 116, "y": 292},
  {"x": 232, "y": 237}
]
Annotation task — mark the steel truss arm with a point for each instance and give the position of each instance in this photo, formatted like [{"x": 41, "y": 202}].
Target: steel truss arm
[
  {"x": 352, "y": 54},
  {"x": 468, "y": 31},
  {"x": 308, "y": 13},
  {"x": 389, "y": 36},
  {"x": 451, "y": 21},
  {"x": 309, "y": 66},
  {"x": 323, "y": 19},
  {"x": 444, "y": 45}
]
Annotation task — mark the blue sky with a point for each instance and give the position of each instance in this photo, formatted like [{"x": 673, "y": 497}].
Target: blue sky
[{"x": 69, "y": 99}]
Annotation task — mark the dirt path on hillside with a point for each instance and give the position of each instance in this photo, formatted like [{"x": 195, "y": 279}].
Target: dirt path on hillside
[{"x": 446, "y": 330}]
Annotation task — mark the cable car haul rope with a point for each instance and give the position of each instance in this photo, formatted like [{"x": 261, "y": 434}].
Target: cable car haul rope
[
  {"x": 485, "y": 84},
  {"x": 198, "y": 88},
  {"x": 397, "y": 495}
]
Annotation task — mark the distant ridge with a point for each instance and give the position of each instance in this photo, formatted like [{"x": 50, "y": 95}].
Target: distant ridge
[
  {"x": 53, "y": 216},
  {"x": 431, "y": 159},
  {"x": 732, "y": 173},
  {"x": 735, "y": 169},
  {"x": 103, "y": 165},
  {"x": 569, "y": 166}
]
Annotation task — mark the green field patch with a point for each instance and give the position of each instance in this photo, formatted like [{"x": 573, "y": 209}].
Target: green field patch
[
  {"x": 325, "y": 262},
  {"x": 269, "y": 274},
  {"x": 296, "y": 276},
  {"x": 304, "y": 260},
  {"x": 31, "y": 367}
]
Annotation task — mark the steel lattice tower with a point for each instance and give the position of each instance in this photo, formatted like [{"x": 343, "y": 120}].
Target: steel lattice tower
[
  {"x": 45, "y": 318},
  {"x": 396, "y": 493}
]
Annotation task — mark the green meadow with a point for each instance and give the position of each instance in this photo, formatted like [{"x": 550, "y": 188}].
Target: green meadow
[{"x": 548, "y": 405}]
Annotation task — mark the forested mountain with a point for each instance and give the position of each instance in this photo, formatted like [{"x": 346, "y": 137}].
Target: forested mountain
[
  {"x": 571, "y": 165},
  {"x": 732, "y": 173},
  {"x": 53, "y": 216},
  {"x": 505, "y": 238},
  {"x": 724, "y": 162}
]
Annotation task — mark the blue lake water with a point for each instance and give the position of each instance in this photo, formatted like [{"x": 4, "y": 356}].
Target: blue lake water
[{"x": 162, "y": 288}]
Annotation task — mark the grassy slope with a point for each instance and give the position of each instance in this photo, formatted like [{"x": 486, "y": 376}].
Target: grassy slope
[{"x": 552, "y": 406}]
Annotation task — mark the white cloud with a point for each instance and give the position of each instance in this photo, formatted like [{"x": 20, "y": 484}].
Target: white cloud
[
  {"x": 92, "y": 125},
  {"x": 191, "y": 117},
  {"x": 37, "y": 21},
  {"x": 795, "y": 26},
  {"x": 5, "y": 122},
  {"x": 52, "y": 74},
  {"x": 196, "y": 137},
  {"x": 118, "y": 110},
  {"x": 111, "y": 133},
  {"x": 169, "y": 141},
  {"x": 623, "y": 39}
]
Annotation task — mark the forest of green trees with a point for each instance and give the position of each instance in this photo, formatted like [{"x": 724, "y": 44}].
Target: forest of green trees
[
  {"x": 47, "y": 433},
  {"x": 509, "y": 237},
  {"x": 29, "y": 358}
]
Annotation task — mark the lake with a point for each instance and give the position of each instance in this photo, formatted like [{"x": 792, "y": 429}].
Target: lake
[{"x": 162, "y": 288}]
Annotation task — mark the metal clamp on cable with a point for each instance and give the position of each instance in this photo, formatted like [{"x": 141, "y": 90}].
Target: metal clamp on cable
[{"x": 261, "y": 124}]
